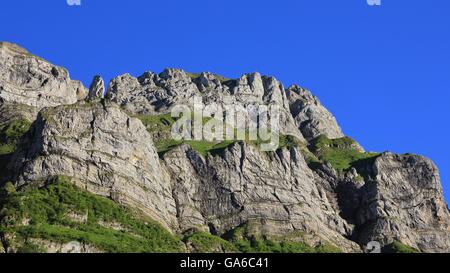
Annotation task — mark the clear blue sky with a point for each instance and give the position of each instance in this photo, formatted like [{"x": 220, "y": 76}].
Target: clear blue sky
[{"x": 383, "y": 71}]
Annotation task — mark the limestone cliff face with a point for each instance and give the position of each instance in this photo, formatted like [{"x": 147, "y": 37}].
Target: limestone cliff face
[
  {"x": 103, "y": 150},
  {"x": 392, "y": 198},
  {"x": 276, "y": 191},
  {"x": 403, "y": 199},
  {"x": 310, "y": 116},
  {"x": 30, "y": 80},
  {"x": 295, "y": 192}
]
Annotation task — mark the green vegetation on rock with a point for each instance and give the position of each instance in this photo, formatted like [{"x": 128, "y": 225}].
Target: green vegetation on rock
[
  {"x": 11, "y": 133},
  {"x": 246, "y": 241},
  {"x": 287, "y": 141},
  {"x": 284, "y": 141},
  {"x": 157, "y": 123},
  {"x": 203, "y": 242},
  {"x": 160, "y": 127},
  {"x": 254, "y": 245},
  {"x": 341, "y": 153},
  {"x": 398, "y": 247},
  {"x": 61, "y": 212}
]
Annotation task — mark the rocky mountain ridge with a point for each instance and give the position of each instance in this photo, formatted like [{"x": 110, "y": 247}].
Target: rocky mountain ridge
[{"x": 319, "y": 188}]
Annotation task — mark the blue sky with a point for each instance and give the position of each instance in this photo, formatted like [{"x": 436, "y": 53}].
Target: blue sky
[{"x": 383, "y": 71}]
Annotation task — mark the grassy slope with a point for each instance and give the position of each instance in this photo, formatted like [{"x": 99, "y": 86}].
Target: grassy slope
[
  {"x": 202, "y": 242},
  {"x": 45, "y": 213},
  {"x": 247, "y": 241},
  {"x": 398, "y": 247},
  {"x": 341, "y": 153}
]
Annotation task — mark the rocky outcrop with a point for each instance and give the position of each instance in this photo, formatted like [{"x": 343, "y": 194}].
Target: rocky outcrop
[
  {"x": 392, "y": 198},
  {"x": 97, "y": 89},
  {"x": 403, "y": 200},
  {"x": 73, "y": 247},
  {"x": 134, "y": 95},
  {"x": 29, "y": 80},
  {"x": 103, "y": 150},
  {"x": 157, "y": 93},
  {"x": 310, "y": 116}
]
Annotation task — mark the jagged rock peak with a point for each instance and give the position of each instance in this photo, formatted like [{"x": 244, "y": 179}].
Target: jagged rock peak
[
  {"x": 303, "y": 114},
  {"x": 97, "y": 89},
  {"x": 30, "y": 80},
  {"x": 311, "y": 117},
  {"x": 207, "y": 80},
  {"x": 169, "y": 73},
  {"x": 178, "y": 84},
  {"x": 158, "y": 93}
]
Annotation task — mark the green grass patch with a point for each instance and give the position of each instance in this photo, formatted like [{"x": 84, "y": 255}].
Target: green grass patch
[
  {"x": 205, "y": 147},
  {"x": 247, "y": 242},
  {"x": 398, "y": 247},
  {"x": 7, "y": 148},
  {"x": 157, "y": 123},
  {"x": 45, "y": 213},
  {"x": 202, "y": 147},
  {"x": 254, "y": 245},
  {"x": 11, "y": 133},
  {"x": 203, "y": 242},
  {"x": 341, "y": 153}
]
